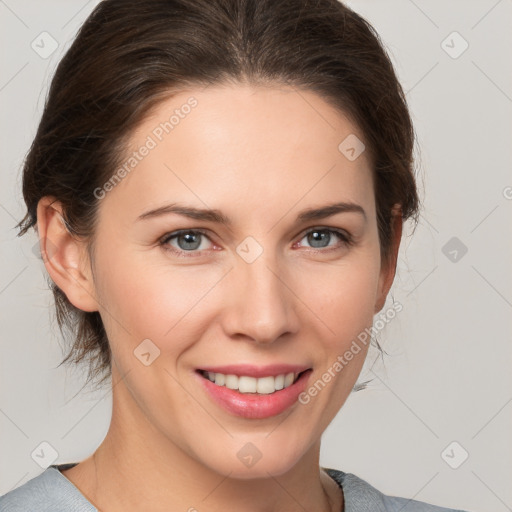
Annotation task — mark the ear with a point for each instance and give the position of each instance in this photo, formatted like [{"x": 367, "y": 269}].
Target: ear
[
  {"x": 65, "y": 256},
  {"x": 387, "y": 272}
]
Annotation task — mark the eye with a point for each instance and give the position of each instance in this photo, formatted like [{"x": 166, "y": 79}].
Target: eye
[
  {"x": 185, "y": 241},
  {"x": 320, "y": 238},
  {"x": 191, "y": 242}
]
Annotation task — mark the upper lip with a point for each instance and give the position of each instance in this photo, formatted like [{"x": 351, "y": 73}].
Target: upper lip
[{"x": 256, "y": 371}]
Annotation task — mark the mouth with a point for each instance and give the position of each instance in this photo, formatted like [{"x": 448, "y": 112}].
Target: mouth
[
  {"x": 247, "y": 384},
  {"x": 268, "y": 392}
]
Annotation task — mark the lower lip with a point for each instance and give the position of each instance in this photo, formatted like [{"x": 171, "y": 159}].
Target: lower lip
[{"x": 253, "y": 405}]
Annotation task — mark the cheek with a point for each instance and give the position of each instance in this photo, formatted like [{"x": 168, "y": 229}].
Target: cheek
[
  {"x": 344, "y": 299},
  {"x": 142, "y": 300},
  {"x": 342, "y": 296}
]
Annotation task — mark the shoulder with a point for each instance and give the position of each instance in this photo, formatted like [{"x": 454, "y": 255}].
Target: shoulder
[
  {"x": 50, "y": 491},
  {"x": 360, "y": 496}
]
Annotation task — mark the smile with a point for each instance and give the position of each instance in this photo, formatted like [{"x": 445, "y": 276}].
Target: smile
[
  {"x": 267, "y": 390},
  {"x": 247, "y": 384}
]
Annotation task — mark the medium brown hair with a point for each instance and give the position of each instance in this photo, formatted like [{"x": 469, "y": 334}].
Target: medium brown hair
[{"x": 130, "y": 55}]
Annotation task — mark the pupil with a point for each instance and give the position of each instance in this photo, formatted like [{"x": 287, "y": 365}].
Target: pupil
[
  {"x": 191, "y": 241},
  {"x": 318, "y": 236}
]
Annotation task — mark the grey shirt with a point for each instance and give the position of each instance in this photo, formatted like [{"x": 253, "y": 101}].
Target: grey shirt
[{"x": 51, "y": 491}]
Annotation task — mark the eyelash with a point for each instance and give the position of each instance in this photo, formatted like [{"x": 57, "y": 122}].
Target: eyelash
[{"x": 345, "y": 237}]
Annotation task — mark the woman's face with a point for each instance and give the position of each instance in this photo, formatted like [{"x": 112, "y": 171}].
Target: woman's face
[{"x": 270, "y": 286}]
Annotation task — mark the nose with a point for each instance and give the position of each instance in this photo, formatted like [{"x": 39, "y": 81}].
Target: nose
[{"x": 261, "y": 306}]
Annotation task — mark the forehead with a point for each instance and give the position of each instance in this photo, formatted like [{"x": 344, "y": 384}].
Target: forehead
[{"x": 249, "y": 147}]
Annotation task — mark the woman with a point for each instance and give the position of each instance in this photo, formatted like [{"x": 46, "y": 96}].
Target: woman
[{"x": 219, "y": 189}]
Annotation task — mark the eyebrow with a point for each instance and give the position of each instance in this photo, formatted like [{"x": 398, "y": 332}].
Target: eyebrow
[{"x": 212, "y": 215}]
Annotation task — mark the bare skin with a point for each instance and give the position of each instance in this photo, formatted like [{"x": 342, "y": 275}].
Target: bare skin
[{"x": 260, "y": 155}]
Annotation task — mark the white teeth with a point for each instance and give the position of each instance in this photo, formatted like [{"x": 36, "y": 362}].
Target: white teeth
[
  {"x": 279, "y": 382},
  {"x": 245, "y": 384},
  {"x": 266, "y": 385},
  {"x": 288, "y": 379},
  {"x": 232, "y": 381}
]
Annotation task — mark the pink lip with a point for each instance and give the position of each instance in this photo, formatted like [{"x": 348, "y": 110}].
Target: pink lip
[
  {"x": 256, "y": 371},
  {"x": 253, "y": 405}
]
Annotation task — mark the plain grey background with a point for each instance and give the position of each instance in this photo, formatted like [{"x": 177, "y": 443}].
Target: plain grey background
[{"x": 444, "y": 392}]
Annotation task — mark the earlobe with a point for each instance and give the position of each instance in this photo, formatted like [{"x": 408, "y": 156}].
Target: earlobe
[
  {"x": 388, "y": 271},
  {"x": 65, "y": 257}
]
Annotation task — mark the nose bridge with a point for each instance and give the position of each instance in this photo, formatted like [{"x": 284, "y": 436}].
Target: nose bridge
[{"x": 262, "y": 306}]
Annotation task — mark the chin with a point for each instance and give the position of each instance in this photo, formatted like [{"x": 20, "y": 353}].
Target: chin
[{"x": 248, "y": 461}]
